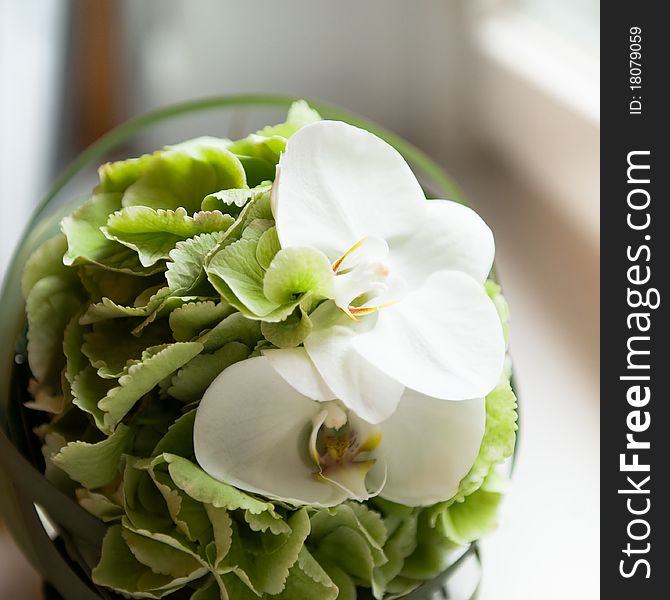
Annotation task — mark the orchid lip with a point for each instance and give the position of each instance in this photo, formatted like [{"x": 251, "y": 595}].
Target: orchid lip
[{"x": 335, "y": 444}]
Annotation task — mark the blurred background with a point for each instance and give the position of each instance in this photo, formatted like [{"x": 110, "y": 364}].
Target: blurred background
[{"x": 503, "y": 93}]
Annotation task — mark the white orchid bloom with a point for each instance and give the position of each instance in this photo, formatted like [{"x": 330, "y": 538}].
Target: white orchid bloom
[
  {"x": 255, "y": 431},
  {"x": 409, "y": 273}
]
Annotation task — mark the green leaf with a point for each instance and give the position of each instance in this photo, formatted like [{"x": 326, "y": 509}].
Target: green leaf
[
  {"x": 182, "y": 175},
  {"x": 142, "y": 377},
  {"x": 153, "y": 233},
  {"x": 190, "y": 382},
  {"x": 95, "y": 465},
  {"x": 121, "y": 571},
  {"x": 295, "y": 272},
  {"x": 186, "y": 267},
  {"x": 190, "y": 320},
  {"x": 87, "y": 243},
  {"x": 204, "y": 488},
  {"x": 232, "y": 201}
]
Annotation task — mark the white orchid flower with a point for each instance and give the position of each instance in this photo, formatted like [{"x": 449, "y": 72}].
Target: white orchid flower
[
  {"x": 255, "y": 431},
  {"x": 409, "y": 307}
]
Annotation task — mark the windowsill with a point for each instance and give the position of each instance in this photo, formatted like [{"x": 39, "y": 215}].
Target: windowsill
[{"x": 539, "y": 107}]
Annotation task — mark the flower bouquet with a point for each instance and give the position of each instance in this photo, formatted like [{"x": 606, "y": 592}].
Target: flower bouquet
[{"x": 266, "y": 368}]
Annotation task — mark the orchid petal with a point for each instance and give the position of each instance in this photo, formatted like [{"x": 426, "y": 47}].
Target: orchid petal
[
  {"x": 452, "y": 238},
  {"x": 429, "y": 445},
  {"x": 248, "y": 432},
  {"x": 337, "y": 184},
  {"x": 365, "y": 389},
  {"x": 297, "y": 369},
  {"x": 444, "y": 340}
]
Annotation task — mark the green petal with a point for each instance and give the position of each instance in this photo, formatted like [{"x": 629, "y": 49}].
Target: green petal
[
  {"x": 299, "y": 115},
  {"x": 400, "y": 545},
  {"x": 145, "y": 505},
  {"x": 467, "y": 521},
  {"x": 267, "y": 521},
  {"x": 163, "y": 554},
  {"x": 73, "y": 340},
  {"x": 142, "y": 377},
  {"x": 45, "y": 261},
  {"x": 238, "y": 276},
  {"x": 266, "y": 558},
  {"x": 120, "y": 570},
  {"x": 234, "y": 328},
  {"x": 298, "y": 271},
  {"x": 232, "y": 201},
  {"x": 108, "y": 309},
  {"x": 307, "y": 580},
  {"x": 87, "y": 390},
  {"x": 119, "y": 175},
  {"x": 190, "y": 320},
  {"x": 499, "y": 438},
  {"x": 190, "y": 383},
  {"x": 95, "y": 465},
  {"x": 87, "y": 243},
  {"x": 110, "y": 345},
  {"x": 50, "y": 306},
  {"x": 200, "y": 486},
  {"x": 99, "y": 505},
  {"x": 182, "y": 175},
  {"x": 179, "y": 437},
  {"x": 121, "y": 288},
  {"x": 186, "y": 267},
  {"x": 495, "y": 293},
  {"x": 268, "y": 246},
  {"x": 223, "y": 532},
  {"x": 153, "y": 233},
  {"x": 290, "y": 332}
]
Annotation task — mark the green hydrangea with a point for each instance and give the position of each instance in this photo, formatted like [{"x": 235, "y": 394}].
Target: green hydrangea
[{"x": 170, "y": 272}]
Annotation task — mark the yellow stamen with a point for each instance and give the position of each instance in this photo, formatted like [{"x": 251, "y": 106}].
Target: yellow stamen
[
  {"x": 338, "y": 263},
  {"x": 366, "y": 310}
]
